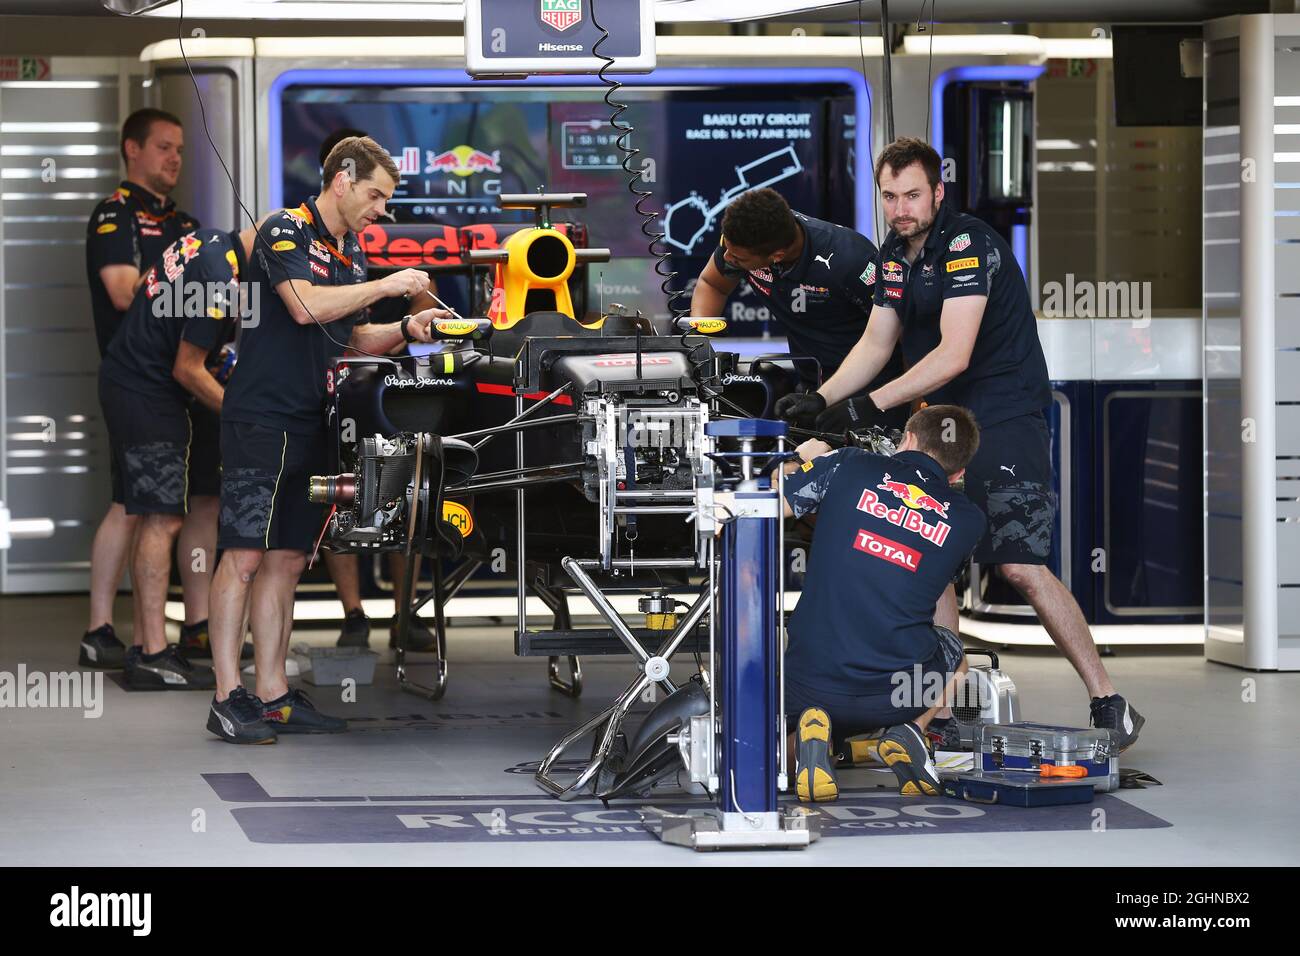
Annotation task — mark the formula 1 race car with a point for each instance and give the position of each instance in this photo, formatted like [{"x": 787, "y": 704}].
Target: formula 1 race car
[{"x": 532, "y": 436}]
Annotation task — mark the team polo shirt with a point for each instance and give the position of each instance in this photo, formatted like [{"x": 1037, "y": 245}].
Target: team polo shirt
[
  {"x": 891, "y": 535},
  {"x": 190, "y": 294},
  {"x": 279, "y": 380},
  {"x": 823, "y": 299},
  {"x": 132, "y": 227},
  {"x": 962, "y": 256}
]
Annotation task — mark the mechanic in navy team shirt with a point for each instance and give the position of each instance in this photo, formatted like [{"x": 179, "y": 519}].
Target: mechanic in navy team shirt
[
  {"x": 864, "y": 655},
  {"x": 950, "y": 288},
  {"x": 307, "y": 276},
  {"x": 156, "y": 367},
  {"x": 125, "y": 235},
  {"x": 816, "y": 277}
]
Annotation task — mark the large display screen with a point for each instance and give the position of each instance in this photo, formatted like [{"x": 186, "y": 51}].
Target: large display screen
[{"x": 700, "y": 148}]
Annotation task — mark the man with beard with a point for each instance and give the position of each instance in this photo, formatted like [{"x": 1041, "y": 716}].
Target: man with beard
[{"x": 949, "y": 286}]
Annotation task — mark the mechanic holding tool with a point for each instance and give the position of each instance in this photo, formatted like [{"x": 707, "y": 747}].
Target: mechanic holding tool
[
  {"x": 818, "y": 279},
  {"x": 309, "y": 277},
  {"x": 865, "y": 655},
  {"x": 157, "y": 363},
  {"x": 126, "y": 234},
  {"x": 950, "y": 287},
  {"x": 345, "y": 569}
]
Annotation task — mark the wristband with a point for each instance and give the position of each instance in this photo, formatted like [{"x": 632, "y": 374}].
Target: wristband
[{"x": 406, "y": 335}]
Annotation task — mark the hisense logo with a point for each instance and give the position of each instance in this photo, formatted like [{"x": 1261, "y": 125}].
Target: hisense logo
[{"x": 74, "y": 909}]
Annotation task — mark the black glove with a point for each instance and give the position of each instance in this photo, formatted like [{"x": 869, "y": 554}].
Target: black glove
[
  {"x": 857, "y": 414},
  {"x": 801, "y": 408}
]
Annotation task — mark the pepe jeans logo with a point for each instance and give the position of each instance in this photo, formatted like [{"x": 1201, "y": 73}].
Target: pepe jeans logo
[
  {"x": 732, "y": 377},
  {"x": 396, "y": 381}
]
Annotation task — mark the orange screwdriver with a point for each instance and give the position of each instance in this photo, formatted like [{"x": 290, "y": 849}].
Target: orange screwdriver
[{"x": 1052, "y": 770}]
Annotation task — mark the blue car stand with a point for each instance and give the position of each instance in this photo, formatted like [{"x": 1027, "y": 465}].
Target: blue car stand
[{"x": 737, "y": 750}]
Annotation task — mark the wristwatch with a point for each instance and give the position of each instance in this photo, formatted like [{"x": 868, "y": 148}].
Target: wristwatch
[{"x": 406, "y": 334}]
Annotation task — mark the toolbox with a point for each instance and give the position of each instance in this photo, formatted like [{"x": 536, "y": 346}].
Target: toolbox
[
  {"x": 1021, "y": 746},
  {"x": 1012, "y": 788},
  {"x": 985, "y": 696},
  {"x": 330, "y": 666}
]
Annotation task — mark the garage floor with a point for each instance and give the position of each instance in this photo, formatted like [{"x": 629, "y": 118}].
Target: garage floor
[{"x": 416, "y": 782}]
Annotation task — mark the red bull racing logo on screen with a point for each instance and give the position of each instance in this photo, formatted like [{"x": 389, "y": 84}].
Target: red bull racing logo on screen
[
  {"x": 910, "y": 514},
  {"x": 561, "y": 14},
  {"x": 462, "y": 161}
]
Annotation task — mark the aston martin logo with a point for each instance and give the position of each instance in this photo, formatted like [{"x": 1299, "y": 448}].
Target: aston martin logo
[{"x": 561, "y": 14}]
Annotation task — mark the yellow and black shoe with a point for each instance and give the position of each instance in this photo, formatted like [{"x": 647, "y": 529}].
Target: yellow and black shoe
[
  {"x": 814, "y": 772},
  {"x": 905, "y": 751},
  {"x": 861, "y": 750}
]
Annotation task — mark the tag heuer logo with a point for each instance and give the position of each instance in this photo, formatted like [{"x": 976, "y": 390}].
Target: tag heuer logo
[
  {"x": 561, "y": 14},
  {"x": 960, "y": 243}
]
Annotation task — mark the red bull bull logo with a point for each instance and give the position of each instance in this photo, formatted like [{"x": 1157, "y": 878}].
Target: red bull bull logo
[
  {"x": 909, "y": 516},
  {"x": 462, "y": 161}
]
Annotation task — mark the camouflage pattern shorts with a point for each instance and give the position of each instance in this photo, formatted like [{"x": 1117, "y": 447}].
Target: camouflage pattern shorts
[{"x": 1010, "y": 480}]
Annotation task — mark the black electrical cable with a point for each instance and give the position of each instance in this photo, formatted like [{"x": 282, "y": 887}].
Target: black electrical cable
[
  {"x": 888, "y": 76},
  {"x": 703, "y": 373},
  {"x": 257, "y": 233},
  {"x": 929, "y": 65}
]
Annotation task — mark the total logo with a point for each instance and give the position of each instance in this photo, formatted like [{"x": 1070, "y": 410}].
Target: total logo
[
  {"x": 909, "y": 516},
  {"x": 887, "y": 549},
  {"x": 462, "y": 161}
]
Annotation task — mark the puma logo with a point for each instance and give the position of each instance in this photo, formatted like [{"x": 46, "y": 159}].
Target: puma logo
[
  {"x": 824, "y": 260},
  {"x": 1010, "y": 469}
]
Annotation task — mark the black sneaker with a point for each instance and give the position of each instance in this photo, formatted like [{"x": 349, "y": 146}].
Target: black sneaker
[
  {"x": 101, "y": 649},
  {"x": 294, "y": 713},
  {"x": 904, "y": 749},
  {"x": 168, "y": 670},
  {"x": 131, "y": 658},
  {"x": 420, "y": 638},
  {"x": 195, "y": 644},
  {"x": 194, "y": 640},
  {"x": 1115, "y": 714},
  {"x": 356, "y": 630},
  {"x": 945, "y": 735},
  {"x": 238, "y": 719}
]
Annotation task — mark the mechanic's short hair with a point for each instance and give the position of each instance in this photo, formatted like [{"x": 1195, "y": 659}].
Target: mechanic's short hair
[
  {"x": 336, "y": 137},
  {"x": 947, "y": 433},
  {"x": 139, "y": 125},
  {"x": 365, "y": 156},
  {"x": 905, "y": 151},
  {"x": 761, "y": 221}
]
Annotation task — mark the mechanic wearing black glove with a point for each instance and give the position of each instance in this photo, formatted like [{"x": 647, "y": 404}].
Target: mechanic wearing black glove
[{"x": 801, "y": 408}]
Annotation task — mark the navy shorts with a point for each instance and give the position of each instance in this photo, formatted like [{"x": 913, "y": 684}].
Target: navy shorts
[
  {"x": 149, "y": 441},
  {"x": 1010, "y": 480},
  {"x": 265, "y": 474},
  {"x": 852, "y": 715},
  {"x": 205, "y": 451}
]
